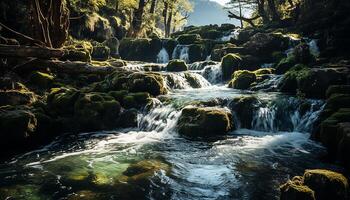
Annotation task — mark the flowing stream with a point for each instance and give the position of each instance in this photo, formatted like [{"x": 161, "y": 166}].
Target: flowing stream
[{"x": 245, "y": 164}]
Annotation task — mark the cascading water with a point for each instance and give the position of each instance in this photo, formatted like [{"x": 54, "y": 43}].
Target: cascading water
[
  {"x": 181, "y": 52},
  {"x": 314, "y": 50},
  {"x": 244, "y": 164},
  {"x": 163, "y": 56},
  {"x": 231, "y": 35}
]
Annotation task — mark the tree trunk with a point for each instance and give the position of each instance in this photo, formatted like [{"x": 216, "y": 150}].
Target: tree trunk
[
  {"x": 273, "y": 10},
  {"x": 169, "y": 22},
  {"x": 50, "y": 20},
  {"x": 240, "y": 12},
  {"x": 137, "y": 19},
  {"x": 262, "y": 12},
  {"x": 29, "y": 51},
  {"x": 165, "y": 15},
  {"x": 153, "y": 7}
]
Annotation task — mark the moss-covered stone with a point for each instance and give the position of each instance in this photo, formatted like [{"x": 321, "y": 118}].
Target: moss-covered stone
[
  {"x": 187, "y": 39},
  {"x": 290, "y": 80},
  {"x": 244, "y": 108},
  {"x": 140, "y": 49},
  {"x": 16, "y": 97},
  {"x": 100, "y": 52},
  {"x": 327, "y": 184},
  {"x": 41, "y": 79},
  {"x": 285, "y": 64},
  {"x": 96, "y": 111},
  {"x": 176, "y": 66},
  {"x": 61, "y": 101},
  {"x": 264, "y": 71},
  {"x": 113, "y": 44},
  {"x": 228, "y": 63},
  {"x": 242, "y": 79},
  {"x": 295, "y": 191},
  {"x": 136, "y": 100},
  {"x": 203, "y": 122},
  {"x": 196, "y": 52}
]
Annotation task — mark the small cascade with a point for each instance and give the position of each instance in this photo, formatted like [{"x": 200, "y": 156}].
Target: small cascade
[
  {"x": 232, "y": 35},
  {"x": 181, "y": 52},
  {"x": 268, "y": 85},
  {"x": 314, "y": 50},
  {"x": 163, "y": 56},
  {"x": 287, "y": 114},
  {"x": 213, "y": 73},
  {"x": 185, "y": 80},
  {"x": 159, "y": 119}
]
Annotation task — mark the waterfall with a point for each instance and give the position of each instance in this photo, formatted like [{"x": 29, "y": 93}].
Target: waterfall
[
  {"x": 185, "y": 80},
  {"x": 181, "y": 52},
  {"x": 163, "y": 56},
  {"x": 314, "y": 50},
  {"x": 231, "y": 35},
  {"x": 213, "y": 73},
  {"x": 287, "y": 114},
  {"x": 269, "y": 84}
]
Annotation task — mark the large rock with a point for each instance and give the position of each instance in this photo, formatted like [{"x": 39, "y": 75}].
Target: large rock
[
  {"x": 315, "y": 184},
  {"x": 176, "y": 66},
  {"x": 140, "y": 49},
  {"x": 61, "y": 101},
  {"x": 42, "y": 80},
  {"x": 100, "y": 52},
  {"x": 264, "y": 44},
  {"x": 314, "y": 82},
  {"x": 233, "y": 62},
  {"x": 96, "y": 111},
  {"x": 302, "y": 54},
  {"x": 150, "y": 82},
  {"x": 242, "y": 79},
  {"x": 196, "y": 52},
  {"x": 113, "y": 45},
  {"x": 202, "y": 122},
  {"x": 326, "y": 184},
  {"x": 244, "y": 107}
]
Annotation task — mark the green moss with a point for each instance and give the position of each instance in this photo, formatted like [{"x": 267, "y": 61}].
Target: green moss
[
  {"x": 242, "y": 79},
  {"x": 277, "y": 56},
  {"x": 118, "y": 95},
  {"x": 176, "y": 66},
  {"x": 337, "y": 101},
  {"x": 285, "y": 64},
  {"x": 264, "y": 71},
  {"x": 337, "y": 89},
  {"x": 294, "y": 191},
  {"x": 228, "y": 63},
  {"x": 291, "y": 80}
]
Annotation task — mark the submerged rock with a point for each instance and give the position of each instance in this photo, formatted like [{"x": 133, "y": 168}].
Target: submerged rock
[
  {"x": 176, "y": 66},
  {"x": 202, "y": 122}
]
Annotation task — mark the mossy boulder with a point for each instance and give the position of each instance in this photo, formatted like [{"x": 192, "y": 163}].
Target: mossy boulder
[
  {"x": 302, "y": 54},
  {"x": 17, "y": 124},
  {"x": 187, "y": 39},
  {"x": 61, "y": 101},
  {"x": 244, "y": 107},
  {"x": 42, "y": 80},
  {"x": 196, "y": 52},
  {"x": 100, "y": 52},
  {"x": 16, "y": 97},
  {"x": 264, "y": 71},
  {"x": 136, "y": 100},
  {"x": 176, "y": 66},
  {"x": 242, "y": 79},
  {"x": 128, "y": 118},
  {"x": 285, "y": 64},
  {"x": 77, "y": 50},
  {"x": 96, "y": 111},
  {"x": 204, "y": 122},
  {"x": 326, "y": 184},
  {"x": 295, "y": 191},
  {"x": 140, "y": 49},
  {"x": 233, "y": 62}
]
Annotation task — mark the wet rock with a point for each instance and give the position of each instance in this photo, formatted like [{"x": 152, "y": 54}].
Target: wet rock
[
  {"x": 326, "y": 184},
  {"x": 302, "y": 54},
  {"x": 77, "y": 50},
  {"x": 136, "y": 100},
  {"x": 128, "y": 118},
  {"x": 42, "y": 80},
  {"x": 187, "y": 39},
  {"x": 244, "y": 108},
  {"x": 285, "y": 64},
  {"x": 343, "y": 131},
  {"x": 242, "y": 79},
  {"x": 176, "y": 66},
  {"x": 193, "y": 81},
  {"x": 233, "y": 62},
  {"x": 16, "y": 97},
  {"x": 202, "y": 122},
  {"x": 196, "y": 52}
]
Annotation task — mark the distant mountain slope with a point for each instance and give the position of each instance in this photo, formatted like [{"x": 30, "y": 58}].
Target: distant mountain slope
[{"x": 208, "y": 12}]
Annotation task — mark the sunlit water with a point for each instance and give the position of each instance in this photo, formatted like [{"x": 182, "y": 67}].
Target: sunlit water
[{"x": 245, "y": 164}]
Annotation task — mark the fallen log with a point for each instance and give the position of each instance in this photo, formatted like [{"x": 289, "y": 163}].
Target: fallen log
[
  {"x": 30, "y": 51},
  {"x": 66, "y": 67}
]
